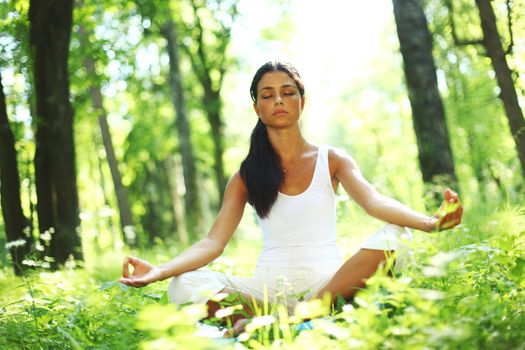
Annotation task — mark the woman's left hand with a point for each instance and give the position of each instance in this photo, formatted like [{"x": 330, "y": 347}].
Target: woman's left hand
[{"x": 449, "y": 213}]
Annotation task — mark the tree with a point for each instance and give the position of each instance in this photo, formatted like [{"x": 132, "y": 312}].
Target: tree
[
  {"x": 192, "y": 204},
  {"x": 14, "y": 219},
  {"x": 126, "y": 219},
  {"x": 55, "y": 171},
  {"x": 160, "y": 15},
  {"x": 435, "y": 155},
  {"x": 209, "y": 62},
  {"x": 508, "y": 95},
  {"x": 491, "y": 42}
]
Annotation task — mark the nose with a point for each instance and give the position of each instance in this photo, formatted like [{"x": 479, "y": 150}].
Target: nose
[{"x": 278, "y": 99}]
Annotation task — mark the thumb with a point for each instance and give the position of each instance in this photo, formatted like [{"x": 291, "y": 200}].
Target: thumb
[{"x": 448, "y": 194}]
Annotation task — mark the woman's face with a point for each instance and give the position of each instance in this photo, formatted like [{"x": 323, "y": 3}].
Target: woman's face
[{"x": 279, "y": 103}]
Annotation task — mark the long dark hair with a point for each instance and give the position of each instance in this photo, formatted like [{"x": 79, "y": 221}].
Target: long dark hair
[{"x": 261, "y": 170}]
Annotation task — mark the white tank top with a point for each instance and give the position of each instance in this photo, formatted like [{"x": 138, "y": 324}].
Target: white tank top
[{"x": 300, "y": 230}]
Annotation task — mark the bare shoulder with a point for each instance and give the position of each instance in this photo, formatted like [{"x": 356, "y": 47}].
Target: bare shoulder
[
  {"x": 236, "y": 186},
  {"x": 338, "y": 159}
]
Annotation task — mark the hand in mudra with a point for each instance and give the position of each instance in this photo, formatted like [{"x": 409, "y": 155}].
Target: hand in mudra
[
  {"x": 449, "y": 213},
  {"x": 143, "y": 273}
]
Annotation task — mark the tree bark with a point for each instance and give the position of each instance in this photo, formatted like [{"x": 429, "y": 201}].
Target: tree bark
[
  {"x": 103, "y": 189},
  {"x": 14, "y": 219},
  {"x": 127, "y": 226},
  {"x": 211, "y": 99},
  {"x": 435, "y": 154},
  {"x": 212, "y": 103},
  {"x": 58, "y": 210},
  {"x": 126, "y": 218},
  {"x": 191, "y": 198},
  {"x": 171, "y": 174},
  {"x": 508, "y": 95}
]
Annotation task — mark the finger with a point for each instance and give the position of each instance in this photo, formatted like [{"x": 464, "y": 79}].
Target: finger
[
  {"x": 447, "y": 194},
  {"x": 125, "y": 266},
  {"x": 125, "y": 281},
  {"x": 451, "y": 195},
  {"x": 132, "y": 282}
]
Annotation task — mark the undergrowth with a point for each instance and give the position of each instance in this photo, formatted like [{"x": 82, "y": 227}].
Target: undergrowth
[{"x": 464, "y": 290}]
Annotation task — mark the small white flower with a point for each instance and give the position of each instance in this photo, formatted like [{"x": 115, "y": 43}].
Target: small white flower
[
  {"x": 27, "y": 262},
  {"x": 39, "y": 246},
  {"x": 227, "y": 311},
  {"x": 15, "y": 244},
  {"x": 258, "y": 322},
  {"x": 46, "y": 235}
]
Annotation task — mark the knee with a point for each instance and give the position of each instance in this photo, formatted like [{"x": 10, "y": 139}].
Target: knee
[
  {"x": 179, "y": 288},
  {"x": 194, "y": 287}
]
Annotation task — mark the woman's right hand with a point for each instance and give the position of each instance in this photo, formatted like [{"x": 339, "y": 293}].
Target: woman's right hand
[{"x": 143, "y": 273}]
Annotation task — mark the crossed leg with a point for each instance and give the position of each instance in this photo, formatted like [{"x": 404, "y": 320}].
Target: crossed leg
[
  {"x": 347, "y": 281},
  {"x": 244, "y": 298},
  {"x": 238, "y": 321},
  {"x": 350, "y": 278},
  {"x": 352, "y": 275}
]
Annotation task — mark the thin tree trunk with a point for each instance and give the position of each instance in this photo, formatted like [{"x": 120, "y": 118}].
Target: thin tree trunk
[
  {"x": 210, "y": 73},
  {"x": 103, "y": 187},
  {"x": 152, "y": 219},
  {"x": 435, "y": 155},
  {"x": 50, "y": 31},
  {"x": 212, "y": 103},
  {"x": 171, "y": 173},
  {"x": 508, "y": 95},
  {"x": 126, "y": 218},
  {"x": 14, "y": 219},
  {"x": 192, "y": 205}
]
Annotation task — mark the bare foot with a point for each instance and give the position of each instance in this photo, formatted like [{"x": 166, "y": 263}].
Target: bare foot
[{"x": 237, "y": 328}]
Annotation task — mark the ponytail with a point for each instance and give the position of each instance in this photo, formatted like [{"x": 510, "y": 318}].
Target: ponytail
[{"x": 261, "y": 171}]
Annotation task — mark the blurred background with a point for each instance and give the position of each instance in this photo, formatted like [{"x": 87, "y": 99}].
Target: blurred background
[{"x": 121, "y": 121}]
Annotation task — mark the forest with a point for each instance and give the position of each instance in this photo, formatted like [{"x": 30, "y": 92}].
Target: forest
[{"x": 121, "y": 123}]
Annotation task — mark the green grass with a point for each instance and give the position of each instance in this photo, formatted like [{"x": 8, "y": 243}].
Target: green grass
[{"x": 466, "y": 290}]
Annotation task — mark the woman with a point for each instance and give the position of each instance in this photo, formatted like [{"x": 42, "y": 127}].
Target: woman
[{"x": 291, "y": 184}]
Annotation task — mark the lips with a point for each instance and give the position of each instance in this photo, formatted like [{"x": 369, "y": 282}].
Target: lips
[{"x": 279, "y": 112}]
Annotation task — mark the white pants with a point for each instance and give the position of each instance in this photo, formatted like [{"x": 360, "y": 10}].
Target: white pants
[{"x": 281, "y": 285}]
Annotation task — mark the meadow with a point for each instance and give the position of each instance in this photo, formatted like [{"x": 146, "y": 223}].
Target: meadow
[{"x": 464, "y": 289}]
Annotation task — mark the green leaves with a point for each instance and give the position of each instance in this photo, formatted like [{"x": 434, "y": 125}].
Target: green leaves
[{"x": 473, "y": 292}]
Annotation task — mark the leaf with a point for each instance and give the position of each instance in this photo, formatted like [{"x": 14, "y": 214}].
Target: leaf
[
  {"x": 164, "y": 300},
  {"x": 107, "y": 285}
]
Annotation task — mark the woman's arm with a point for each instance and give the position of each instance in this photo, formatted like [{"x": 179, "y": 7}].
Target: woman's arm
[
  {"x": 345, "y": 171},
  {"x": 201, "y": 253}
]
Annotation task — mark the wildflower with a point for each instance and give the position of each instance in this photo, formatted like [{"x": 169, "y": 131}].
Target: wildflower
[{"x": 15, "y": 244}]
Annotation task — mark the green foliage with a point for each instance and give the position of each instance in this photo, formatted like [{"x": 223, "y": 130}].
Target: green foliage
[
  {"x": 465, "y": 290},
  {"x": 485, "y": 155}
]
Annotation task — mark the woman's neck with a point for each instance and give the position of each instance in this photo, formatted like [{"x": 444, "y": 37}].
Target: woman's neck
[{"x": 289, "y": 143}]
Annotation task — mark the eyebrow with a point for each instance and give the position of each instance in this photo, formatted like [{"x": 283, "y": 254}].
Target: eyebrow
[{"x": 287, "y": 85}]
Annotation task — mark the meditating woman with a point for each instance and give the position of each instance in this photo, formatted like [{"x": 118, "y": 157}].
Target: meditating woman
[{"x": 291, "y": 184}]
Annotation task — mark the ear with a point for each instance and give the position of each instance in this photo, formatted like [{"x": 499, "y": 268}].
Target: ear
[
  {"x": 303, "y": 100},
  {"x": 255, "y": 108}
]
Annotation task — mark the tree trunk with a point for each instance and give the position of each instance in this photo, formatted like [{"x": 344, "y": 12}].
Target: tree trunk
[
  {"x": 171, "y": 174},
  {"x": 126, "y": 219},
  {"x": 435, "y": 155},
  {"x": 152, "y": 220},
  {"x": 492, "y": 44},
  {"x": 50, "y": 31},
  {"x": 14, "y": 219},
  {"x": 103, "y": 189},
  {"x": 212, "y": 103},
  {"x": 209, "y": 65},
  {"x": 191, "y": 198}
]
